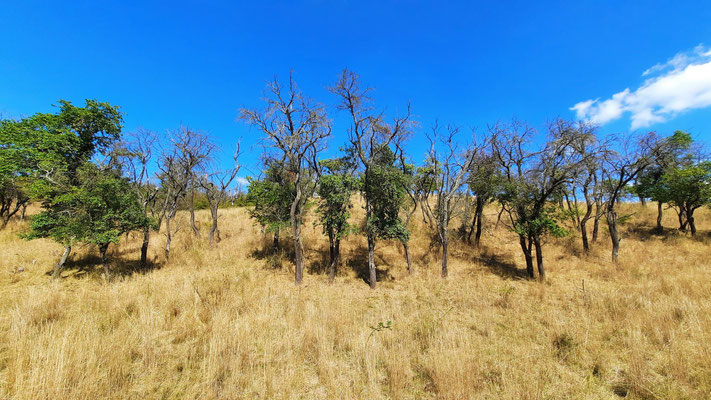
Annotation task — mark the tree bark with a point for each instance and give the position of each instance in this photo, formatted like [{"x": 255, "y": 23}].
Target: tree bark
[
  {"x": 643, "y": 201},
  {"x": 690, "y": 220},
  {"x": 104, "y": 261},
  {"x": 168, "y": 239},
  {"x": 196, "y": 231},
  {"x": 584, "y": 236},
  {"x": 298, "y": 251},
  {"x": 682, "y": 218},
  {"x": 213, "y": 229},
  {"x": 614, "y": 234},
  {"x": 479, "y": 222},
  {"x": 539, "y": 258},
  {"x": 57, "y": 271},
  {"x": 660, "y": 228},
  {"x": 144, "y": 247},
  {"x": 335, "y": 255},
  {"x": 445, "y": 248},
  {"x": 526, "y": 248},
  {"x": 275, "y": 241},
  {"x": 372, "y": 276},
  {"x": 406, "y": 248}
]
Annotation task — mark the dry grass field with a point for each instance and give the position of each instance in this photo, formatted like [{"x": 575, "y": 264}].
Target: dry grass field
[{"x": 229, "y": 323}]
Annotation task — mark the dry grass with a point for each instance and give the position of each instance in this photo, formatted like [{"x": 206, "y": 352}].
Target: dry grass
[{"x": 224, "y": 323}]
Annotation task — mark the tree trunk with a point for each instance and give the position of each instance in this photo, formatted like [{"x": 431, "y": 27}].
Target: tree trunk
[
  {"x": 214, "y": 230},
  {"x": 298, "y": 251},
  {"x": 472, "y": 228},
  {"x": 372, "y": 276},
  {"x": 643, "y": 201},
  {"x": 168, "y": 239},
  {"x": 660, "y": 228},
  {"x": 479, "y": 222},
  {"x": 614, "y": 234},
  {"x": 682, "y": 218},
  {"x": 335, "y": 255},
  {"x": 276, "y": 240},
  {"x": 445, "y": 248},
  {"x": 57, "y": 272},
  {"x": 690, "y": 220},
  {"x": 196, "y": 231},
  {"x": 104, "y": 261},
  {"x": 573, "y": 212},
  {"x": 526, "y": 248},
  {"x": 584, "y": 235},
  {"x": 539, "y": 258},
  {"x": 144, "y": 247},
  {"x": 406, "y": 248}
]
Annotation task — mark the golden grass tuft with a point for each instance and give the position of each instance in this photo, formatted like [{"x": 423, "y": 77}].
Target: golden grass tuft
[{"x": 222, "y": 322}]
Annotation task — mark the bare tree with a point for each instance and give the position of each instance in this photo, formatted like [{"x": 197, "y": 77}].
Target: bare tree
[
  {"x": 297, "y": 129},
  {"x": 136, "y": 157},
  {"x": 188, "y": 150},
  {"x": 451, "y": 167},
  {"x": 216, "y": 185},
  {"x": 587, "y": 178},
  {"x": 622, "y": 166}
]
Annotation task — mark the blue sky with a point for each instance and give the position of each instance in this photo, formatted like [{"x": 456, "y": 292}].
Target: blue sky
[{"x": 467, "y": 63}]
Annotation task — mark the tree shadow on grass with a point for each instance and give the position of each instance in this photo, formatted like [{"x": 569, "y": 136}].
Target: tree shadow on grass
[
  {"x": 358, "y": 262},
  {"x": 500, "y": 267},
  {"x": 90, "y": 266}
]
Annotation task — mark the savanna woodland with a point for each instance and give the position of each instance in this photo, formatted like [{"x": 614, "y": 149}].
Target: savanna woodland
[{"x": 510, "y": 261}]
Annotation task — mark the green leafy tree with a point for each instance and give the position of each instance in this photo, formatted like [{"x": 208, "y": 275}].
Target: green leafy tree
[
  {"x": 98, "y": 210},
  {"x": 270, "y": 198},
  {"x": 647, "y": 184},
  {"x": 687, "y": 188},
  {"x": 484, "y": 182},
  {"x": 42, "y": 152},
  {"x": 336, "y": 187},
  {"x": 530, "y": 179},
  {"x": 371, "y": 138}
]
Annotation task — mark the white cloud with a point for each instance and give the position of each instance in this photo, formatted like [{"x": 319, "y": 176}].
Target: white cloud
[
  {"x": 682, "y": 83},
  {"x": 242, "y": 181}
]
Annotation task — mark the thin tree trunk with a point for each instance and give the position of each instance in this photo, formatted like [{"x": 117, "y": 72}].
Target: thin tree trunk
[
  {"x": 372, "y": 276},
  {"x": 539, "y": 258},
  {"x": 104, "y": 261},
  {"x": 196, "y": 231},
  {"x": 660, "y": 228},
  {"x": 406, "y": 248},
  {"x": 57, "y": 271},
  {"x": 275, "y": 241},
  {"x": 479, "y": 222},
  {"x": 526, "y": 248},
  {"x": 614, "y": 234},
  {"x": 584, "y": 236},
  {"x": 144, "y": 247},
  {"x": 690, "y": 220},
  {"x": 214, "y": 230},
  {"x": 573, "y": 213},
  {"x": 445, "y": 248},
  {"x": 643, "y": 201},
  {"x": 168, "y": 239},
  {"x": 335, "y": 255},
  {"x": 298, "y": 251},
  {"x": 682, "y": 218}
]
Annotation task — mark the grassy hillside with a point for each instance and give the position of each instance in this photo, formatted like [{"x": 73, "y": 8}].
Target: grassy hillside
[{"x": 228, "y": 322}]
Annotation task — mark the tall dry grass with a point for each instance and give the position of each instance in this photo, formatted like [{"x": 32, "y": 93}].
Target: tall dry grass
[{"x": 228, "y": 322}]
